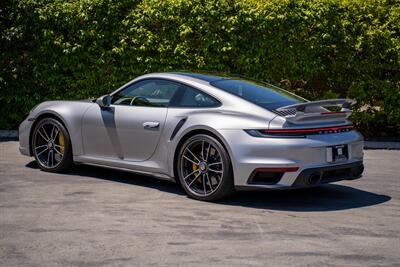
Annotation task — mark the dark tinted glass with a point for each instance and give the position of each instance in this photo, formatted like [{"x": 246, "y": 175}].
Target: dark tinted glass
[
  {"x": 269, "y": 98},
  {"x": 153, "y": 93},
  {"x": 189, "y": 97}
]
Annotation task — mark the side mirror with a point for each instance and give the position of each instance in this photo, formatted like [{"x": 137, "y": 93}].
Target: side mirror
[{"x": 104, "y": 101}]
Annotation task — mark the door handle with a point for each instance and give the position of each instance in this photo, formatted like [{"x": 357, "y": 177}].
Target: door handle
[{"x": 151, "y": 124}]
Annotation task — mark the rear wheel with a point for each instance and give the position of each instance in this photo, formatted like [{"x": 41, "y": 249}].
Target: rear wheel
[
  {"x": 51, "y": 146},
  {"x": 204, "y": 168}
]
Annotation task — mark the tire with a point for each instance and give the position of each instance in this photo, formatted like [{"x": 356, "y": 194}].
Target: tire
[
  {"x": 51, "y": 146},
  {"x": 204, "y": 168}
]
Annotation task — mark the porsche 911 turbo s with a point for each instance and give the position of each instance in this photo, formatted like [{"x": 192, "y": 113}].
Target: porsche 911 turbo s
[{"x": 211, "y": 134}]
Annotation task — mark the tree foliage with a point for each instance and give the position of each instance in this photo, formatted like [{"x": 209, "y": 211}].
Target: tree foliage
[{"x": 319, "y": 49}]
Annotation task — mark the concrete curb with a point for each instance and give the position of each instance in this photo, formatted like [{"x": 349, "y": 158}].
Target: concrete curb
[
  {"x": 381, "y": 145},
  {"x": 10, "y": 135}
]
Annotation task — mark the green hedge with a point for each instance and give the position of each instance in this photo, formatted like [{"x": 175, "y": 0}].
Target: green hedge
[{"x": 319, "y": 49}]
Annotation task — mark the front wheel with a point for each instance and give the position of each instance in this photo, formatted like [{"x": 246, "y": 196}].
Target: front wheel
[
  {"x": 204, "y": 168},
  {"x": 51, "y": 146}
]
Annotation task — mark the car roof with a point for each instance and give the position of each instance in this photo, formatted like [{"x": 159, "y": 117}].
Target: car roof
[{"x": 199, "y": 76}]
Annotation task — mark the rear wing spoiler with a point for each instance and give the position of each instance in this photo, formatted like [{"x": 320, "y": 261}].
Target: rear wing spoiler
[{"x": 313, "y": 111}]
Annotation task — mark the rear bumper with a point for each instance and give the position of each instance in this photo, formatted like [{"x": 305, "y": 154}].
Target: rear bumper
[
  {"x": 316, "y": 176},
  {"x": 300, "y": 155},
  {"x": 329, "y": 174}
]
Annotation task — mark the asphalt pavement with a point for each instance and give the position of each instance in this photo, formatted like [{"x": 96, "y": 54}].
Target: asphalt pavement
[{"x": 99, "y": 217}]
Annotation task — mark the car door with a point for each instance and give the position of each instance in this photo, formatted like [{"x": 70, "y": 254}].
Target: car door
[{"x": 131, "y": 127}]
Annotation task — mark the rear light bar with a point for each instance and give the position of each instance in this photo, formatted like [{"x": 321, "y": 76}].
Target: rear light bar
[
  {"x": 310, "y": 130},
  {"x": 299, "y": 132}
]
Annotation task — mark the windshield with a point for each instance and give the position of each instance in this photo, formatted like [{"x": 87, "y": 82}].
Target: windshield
[{"x": 265, "y": 96}]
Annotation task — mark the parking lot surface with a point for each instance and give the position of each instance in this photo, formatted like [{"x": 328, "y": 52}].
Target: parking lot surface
[{"x": 98, "y": 217}]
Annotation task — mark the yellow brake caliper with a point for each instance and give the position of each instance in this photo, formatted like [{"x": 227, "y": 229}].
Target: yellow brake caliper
[
  {"x": 61, "y": 142},
  {"x": 194, "y": 167}
]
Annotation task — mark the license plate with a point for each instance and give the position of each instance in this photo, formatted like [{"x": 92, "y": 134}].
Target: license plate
[{"x": 340, "y": 153}]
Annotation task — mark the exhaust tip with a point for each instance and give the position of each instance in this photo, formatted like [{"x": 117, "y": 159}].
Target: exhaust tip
[{"x": 314, "y": 178}]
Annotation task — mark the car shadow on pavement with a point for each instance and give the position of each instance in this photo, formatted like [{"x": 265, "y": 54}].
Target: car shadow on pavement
[
  {"x": 328, "y": 197},
  {"x": 120, "y": 177}
]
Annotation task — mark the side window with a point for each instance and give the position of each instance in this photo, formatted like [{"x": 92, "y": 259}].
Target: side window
[
  {"x": 152, "y": 93},
  {"x": 190, "y": 97}
]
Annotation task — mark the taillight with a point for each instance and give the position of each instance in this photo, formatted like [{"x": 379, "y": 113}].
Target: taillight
[{"x": 299, "y": 132}]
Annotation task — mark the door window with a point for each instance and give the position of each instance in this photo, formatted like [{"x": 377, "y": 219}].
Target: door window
[{"x": 152, "y": 93}]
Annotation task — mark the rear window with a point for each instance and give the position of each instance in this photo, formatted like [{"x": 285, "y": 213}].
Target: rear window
[{"x": 257, "y": 93}]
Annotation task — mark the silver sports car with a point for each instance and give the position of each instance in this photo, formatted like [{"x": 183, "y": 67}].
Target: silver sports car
[{"x": 213, "y": 135}]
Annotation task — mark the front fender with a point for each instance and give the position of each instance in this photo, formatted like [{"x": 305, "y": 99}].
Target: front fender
[{"x": 70, "y": 113}]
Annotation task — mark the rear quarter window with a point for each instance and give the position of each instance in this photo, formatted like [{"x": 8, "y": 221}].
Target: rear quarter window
[
  {"x": 257, "y": 93},
  {"x": 192, "y": 98}
]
